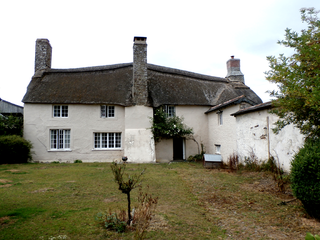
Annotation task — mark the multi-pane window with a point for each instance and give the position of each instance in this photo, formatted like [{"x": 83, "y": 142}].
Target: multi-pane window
[
  {"x": 170, "y": 110},
  {"x": 107, "y": 111},
  {"x": 60, "y": 139},
  {"x": 60, "y": 111},
  {"x": 107, "y": 140}
]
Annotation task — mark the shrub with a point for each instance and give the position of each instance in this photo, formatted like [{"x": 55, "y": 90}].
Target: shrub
[
  {"x": 112, "y": 221},
  {"x": 144, "y": 213},
  {"x": 233, "y": 162},
  {"x": 14, "y": 149},
  {"x": 77, "y": 161},
  {"x": 305, "y": 177},
  {"x": 11, "y": 125}
]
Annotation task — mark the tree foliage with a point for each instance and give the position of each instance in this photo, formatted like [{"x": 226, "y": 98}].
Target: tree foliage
[
  {"x": 11, "y": 125},
  {"x": 168, "y": 127},
  {"x": 298, "y": 78}
]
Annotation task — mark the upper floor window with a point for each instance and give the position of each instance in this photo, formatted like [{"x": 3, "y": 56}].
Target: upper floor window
[
  {"x": 220, "y": 118},
  {"x": 107, "y": 140},
  {"x": 107, "y": 111},
  {"x": 170, "y": 110},
  {"x": 60, "y": 111},
  {"x": 60, "y": 139}
]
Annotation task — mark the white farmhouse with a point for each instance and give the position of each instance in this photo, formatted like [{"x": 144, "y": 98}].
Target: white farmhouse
[{"x": 103, "y": 113}]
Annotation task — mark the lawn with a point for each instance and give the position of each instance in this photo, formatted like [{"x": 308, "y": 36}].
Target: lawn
[{"x": 56, "y": 201}]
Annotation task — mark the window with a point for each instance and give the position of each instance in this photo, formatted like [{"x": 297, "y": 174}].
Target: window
[
  {"x": 60, "y": 111},
  {"x": 218, "y": 148},
  {"x": 60, "y": 139},
  {"x": 107, "y": 111},
  {"x": 170, "y": 110},
  {"x": 220, "y": 118},
  {"x": 107, "y": 140}
]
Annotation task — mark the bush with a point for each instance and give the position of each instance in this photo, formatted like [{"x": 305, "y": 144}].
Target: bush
[
  {"x": 112, "y": 221},
  {"x": 305, "y": 177},
  {"x": 14, "y": 149},
  {"x": 11, "y": 125}
]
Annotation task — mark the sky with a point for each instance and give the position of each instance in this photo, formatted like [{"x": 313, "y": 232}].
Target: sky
[{"x": 197, "y": 36}]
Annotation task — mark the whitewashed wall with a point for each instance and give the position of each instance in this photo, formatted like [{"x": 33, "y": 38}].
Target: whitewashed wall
[
  {"x": 83, "y": 121},
  {"x": 252, "y": 136},
  {"x": 224, "y": 135}
]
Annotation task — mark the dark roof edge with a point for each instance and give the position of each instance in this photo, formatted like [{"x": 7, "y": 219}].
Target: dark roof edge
[
  {"x": 162, "y": 69},
  {"x": 236, "y": 100},
  {"x": 1, "y": 100},
  {"x": 89, "y": 69},
  {"x": 261, "y": 106}
]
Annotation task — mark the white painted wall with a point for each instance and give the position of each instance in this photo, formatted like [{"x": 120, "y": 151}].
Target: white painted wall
[
  {"x": 224, "y": 135},
  {"x": 194, "y": 117},
  {"x": 252, "y": 130},
  {"x": 164, "y": 150},
  {"x": 83, "y": 121},
  {"x": 139, "y": 144}
]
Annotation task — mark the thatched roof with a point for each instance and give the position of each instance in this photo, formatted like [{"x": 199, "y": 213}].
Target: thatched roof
[{"x": 113, "y": 85}]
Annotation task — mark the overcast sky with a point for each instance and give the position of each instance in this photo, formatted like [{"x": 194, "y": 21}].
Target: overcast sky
[{"x": 198, "y": 36}]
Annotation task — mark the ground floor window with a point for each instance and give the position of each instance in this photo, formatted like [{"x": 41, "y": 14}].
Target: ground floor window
[
  {"x": 107, "y": 140},
  {"x": 218, "y": 148},
  {"x": 60, "y": 139}
]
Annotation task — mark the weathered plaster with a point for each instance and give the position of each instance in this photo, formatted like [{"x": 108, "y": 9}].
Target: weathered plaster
[
  {"x": 223, "y": 135},
  {"x": 252, "y": 136},
  {"x": 83, "y": 121},
  {"x": 139, "y": 144}
]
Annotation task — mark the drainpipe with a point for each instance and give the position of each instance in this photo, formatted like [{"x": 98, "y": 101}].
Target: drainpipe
[{"x": 268, "y": 137}]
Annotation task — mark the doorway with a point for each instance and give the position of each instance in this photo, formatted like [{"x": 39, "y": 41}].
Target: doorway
[{"x": 178, "y": 149}]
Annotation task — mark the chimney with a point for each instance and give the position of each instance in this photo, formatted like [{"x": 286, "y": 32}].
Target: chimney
[
  {"x": 140, "y": 85},
  {"x": 43, "y": 54},
  {"x": 233, "y": 67}
]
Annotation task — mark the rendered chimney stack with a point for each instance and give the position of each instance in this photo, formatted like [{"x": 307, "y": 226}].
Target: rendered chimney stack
[
  {"x": 234, "y": 73},
  {"x": 43, "y": 54},
  {"x": 140, "y": 78}
]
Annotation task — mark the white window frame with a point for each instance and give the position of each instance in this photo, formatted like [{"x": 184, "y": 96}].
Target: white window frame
[
  {"x": 217, "y": 148},
  {"x": 60, "y": 111},
  {"x": 170, "y": 110},
  {"x": 107, "y": 111},
  {"x": 60, "y": 139},
  {"x": 107, "y": 140}
]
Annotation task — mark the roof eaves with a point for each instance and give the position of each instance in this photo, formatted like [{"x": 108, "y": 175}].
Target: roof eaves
[
  {"x": 229, "y": 102},
  {"x": 261, "y": 106}
]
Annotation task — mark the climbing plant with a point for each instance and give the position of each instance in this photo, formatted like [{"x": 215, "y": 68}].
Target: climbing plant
[{"x": 168, "y": 127}]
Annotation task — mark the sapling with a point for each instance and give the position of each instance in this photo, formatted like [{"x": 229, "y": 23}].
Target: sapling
[{"x": 126, "y": 184}]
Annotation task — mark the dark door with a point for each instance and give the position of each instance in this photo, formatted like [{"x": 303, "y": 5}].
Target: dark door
[{"x": 178, "y": 149}]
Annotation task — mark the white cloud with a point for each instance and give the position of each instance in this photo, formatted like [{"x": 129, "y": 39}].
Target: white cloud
[{"x": 197, "y": 36}]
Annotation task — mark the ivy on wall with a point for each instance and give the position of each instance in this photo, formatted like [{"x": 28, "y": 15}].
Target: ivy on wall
[{"x": 168, "y": 127}]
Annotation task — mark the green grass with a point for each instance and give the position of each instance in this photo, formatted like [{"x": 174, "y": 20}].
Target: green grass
[{"x": 51, "y": 200}]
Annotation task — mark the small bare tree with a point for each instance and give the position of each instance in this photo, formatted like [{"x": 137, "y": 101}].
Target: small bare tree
[{"x": 126, "y": 184}]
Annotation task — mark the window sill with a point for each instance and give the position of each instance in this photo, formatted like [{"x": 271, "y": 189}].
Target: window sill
[
  {"x": 107, "y": 149},
  {"x": 60, "y": 150}
]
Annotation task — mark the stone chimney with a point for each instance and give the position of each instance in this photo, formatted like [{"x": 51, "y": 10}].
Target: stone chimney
[
  {"x": 233, "y": 67},
  {"x": 43, "y": 54},
  {"x": 140, "y": 80}
]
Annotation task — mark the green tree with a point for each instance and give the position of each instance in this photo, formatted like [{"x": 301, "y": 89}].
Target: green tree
[
  {"x": 298, "y": 78},
  {"x": 168, "y": 127},
  {"x": 11, "y": 125}
]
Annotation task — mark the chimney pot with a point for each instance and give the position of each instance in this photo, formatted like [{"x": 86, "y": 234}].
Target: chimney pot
[{"x": 234, "y": 73}]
